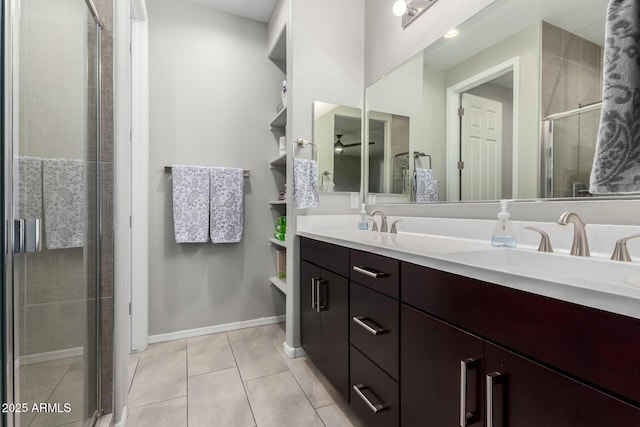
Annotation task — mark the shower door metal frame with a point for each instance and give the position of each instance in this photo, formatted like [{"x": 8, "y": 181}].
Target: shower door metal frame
[{"x": 10, "y": 135}]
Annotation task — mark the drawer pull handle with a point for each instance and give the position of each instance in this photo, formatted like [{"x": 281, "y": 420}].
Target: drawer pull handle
[
  {"x": 359, "y": 320},
  {"x": 368, "y": 271},
  {"x": 464, "y": 367},
  {"x": 492, "y": 379},
  {"x": 375, "y": 408}
]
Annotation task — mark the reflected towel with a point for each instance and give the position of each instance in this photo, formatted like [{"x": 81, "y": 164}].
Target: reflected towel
[
  {"x": 227, "y": 205},
  {"x": 426, "y": 187},
  {"x": 305, "y": 183},
  {"x": 64, "y": 200},
  {"x": 616, "y": 165},
  {"x": 29, "y": 187},
  {"x": 190, "y": 203}
]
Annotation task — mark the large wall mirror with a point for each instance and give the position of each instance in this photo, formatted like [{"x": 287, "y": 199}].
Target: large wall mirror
[
  {"x": 337, "y": 133},
  {"x": 507, "y": 109}
]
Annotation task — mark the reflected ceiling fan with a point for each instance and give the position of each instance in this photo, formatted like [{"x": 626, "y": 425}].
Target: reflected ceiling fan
[{"x": 339, "y": 147}]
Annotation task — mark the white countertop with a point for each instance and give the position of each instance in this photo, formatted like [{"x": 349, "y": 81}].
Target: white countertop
[{"x": 594, "y": 282}]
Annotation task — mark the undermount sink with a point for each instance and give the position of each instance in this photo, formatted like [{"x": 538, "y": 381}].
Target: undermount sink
[{"x": 587, "y": 272}]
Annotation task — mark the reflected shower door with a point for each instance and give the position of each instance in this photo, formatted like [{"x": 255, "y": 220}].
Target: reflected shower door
[{"x": 56, "y": 196}]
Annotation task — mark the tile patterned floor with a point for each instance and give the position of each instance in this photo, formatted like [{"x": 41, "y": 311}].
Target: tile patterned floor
[{"x": 238, "y": 378}]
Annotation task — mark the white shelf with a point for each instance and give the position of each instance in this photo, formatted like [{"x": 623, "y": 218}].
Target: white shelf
[
  {"x": 279, "y": 121},
  {"x": 279, "y": 283},
  {"x": 277, "y": 242},
  {"x": 280, "y": 161},
  {"x": 278, "y": 203}
]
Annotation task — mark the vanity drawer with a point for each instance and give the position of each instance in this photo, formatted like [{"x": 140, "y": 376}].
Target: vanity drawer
[
  {"x": 376, "y": 272},
  {"x": 374, "y": 326},
  {"x": 374, "y": 395},
  {"x": 325, "y": 255}
]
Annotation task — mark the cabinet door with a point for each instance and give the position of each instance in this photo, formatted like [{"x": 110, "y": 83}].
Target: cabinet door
[
  {"x": 334, "y": 321},
  {"x": 309, "y": 315},
  {"x": 441, "y": 374},
  {"x": 524, "y": 394}
]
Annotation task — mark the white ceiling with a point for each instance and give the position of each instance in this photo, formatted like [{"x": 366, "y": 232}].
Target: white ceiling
[{"x": 259, "y": 10}]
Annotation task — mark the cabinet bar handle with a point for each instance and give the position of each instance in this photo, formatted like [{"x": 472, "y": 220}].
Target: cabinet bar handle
[
  {"x": 319, "y": 306},
  {"x": 368, "y": 271},
  {"x": 491, "y": 379},
  {"x": 464, "y": 416},
  {"x": 375, "y": 408},
  {"x": 313, "y": 292},
  {"x": 373, "y": 331}
]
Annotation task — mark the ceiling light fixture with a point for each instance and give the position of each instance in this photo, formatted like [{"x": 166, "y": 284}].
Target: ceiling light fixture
[
  {"x": 451, "y": 33},
  {"x": 399, "y": 7}
]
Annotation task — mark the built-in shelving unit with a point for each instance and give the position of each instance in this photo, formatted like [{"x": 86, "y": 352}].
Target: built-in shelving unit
[
  {"x": 279, "y": 283},
  {"x": 278, "y": 126},
  {"x": 277, "y": 242}
]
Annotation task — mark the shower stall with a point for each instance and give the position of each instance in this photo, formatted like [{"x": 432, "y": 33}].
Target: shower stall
[
  {"x": 570, "y": 144},
  {"x": 52, "y": 197}
]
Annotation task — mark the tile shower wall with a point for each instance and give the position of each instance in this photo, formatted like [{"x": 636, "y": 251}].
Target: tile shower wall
[{"x": 565, "y": 56}]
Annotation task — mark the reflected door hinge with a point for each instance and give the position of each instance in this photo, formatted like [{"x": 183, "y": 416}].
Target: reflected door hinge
[
  {"x": 460, "y": 111},
  {"x": 460, "y": 165},
  {"x": 129, "y": 309},
  {"x": 130, "y": 222}
]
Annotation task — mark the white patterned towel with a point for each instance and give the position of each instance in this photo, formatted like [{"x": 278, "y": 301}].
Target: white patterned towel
[
  {"x": 190, "y": 203},
  {"x": 29, "y": 187},
  {"x": 64, "y": 199},
  {"x": 227, "y": 205},
  {"x": 426, "y": 186},
  {"x": 305, "y": 183}
]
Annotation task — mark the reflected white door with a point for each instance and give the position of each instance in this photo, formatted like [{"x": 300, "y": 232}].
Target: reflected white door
[{"x": 481, "y": 148}]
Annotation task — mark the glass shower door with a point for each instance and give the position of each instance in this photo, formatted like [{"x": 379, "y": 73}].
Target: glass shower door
[{"x": 55, "y": 261}]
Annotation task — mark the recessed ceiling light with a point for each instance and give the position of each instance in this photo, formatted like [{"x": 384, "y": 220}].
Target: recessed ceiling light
[
  {"x": 451, "y": 34},
  {"x": 399, "y": 7}
]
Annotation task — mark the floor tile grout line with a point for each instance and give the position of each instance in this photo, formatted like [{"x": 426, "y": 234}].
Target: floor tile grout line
[
  {"x": 158, "y": 402},
  {"x": 133, "y": 378},
  {"x": 186, "y": 373},
  {"x": 246, "y": 395}
]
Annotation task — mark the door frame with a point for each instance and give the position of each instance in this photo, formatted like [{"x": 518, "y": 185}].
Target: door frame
[{"x": 453, "y": 121}]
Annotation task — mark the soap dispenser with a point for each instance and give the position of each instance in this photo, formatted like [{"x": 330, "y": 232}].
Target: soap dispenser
[
  {"x": 503, "y": 234},
  {"x": 362, "y": 222}
]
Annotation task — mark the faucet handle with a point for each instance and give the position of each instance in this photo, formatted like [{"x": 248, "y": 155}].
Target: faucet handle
[
  {"x": 545, "y": 242},
  {"x": 620, "y": 253},
  {"x": 394, "y": 229}
]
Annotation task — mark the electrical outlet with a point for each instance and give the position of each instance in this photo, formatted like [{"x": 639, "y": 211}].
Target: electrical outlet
[
  {"x": 371, "y": 199},
  {"x": 355, "y": 200}
]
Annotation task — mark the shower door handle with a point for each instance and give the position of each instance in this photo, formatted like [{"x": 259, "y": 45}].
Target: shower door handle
[{"x": 26, "y": 235}]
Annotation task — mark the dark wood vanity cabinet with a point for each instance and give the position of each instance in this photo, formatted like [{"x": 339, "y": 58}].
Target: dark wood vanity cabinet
[
  {"x": 528, "y": 350},
  {"x": 324, "y": 310},
  {"x": 414, "y": 346},
  {"x": 439, "y": 363}
]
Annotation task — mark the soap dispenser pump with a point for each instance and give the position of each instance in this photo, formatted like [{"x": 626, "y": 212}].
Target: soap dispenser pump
[
  {"x": 362, "y": 222},
  {"x": 503, "y": 234}
]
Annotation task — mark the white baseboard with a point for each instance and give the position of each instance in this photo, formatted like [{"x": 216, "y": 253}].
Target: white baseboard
[
  {"x": 292, "y": 352},
  {"x": 49, "y": 356},
  {"x": 190, "y": 333}
]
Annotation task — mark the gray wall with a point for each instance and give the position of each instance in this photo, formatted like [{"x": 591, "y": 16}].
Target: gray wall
[{"x": 212, "y": 93}]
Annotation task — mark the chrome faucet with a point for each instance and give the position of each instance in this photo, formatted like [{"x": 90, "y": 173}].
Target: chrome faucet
[
  {"x": 383, "y": 225},
  {"x": 580, "y": 246}
]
